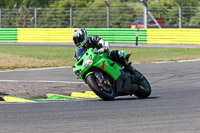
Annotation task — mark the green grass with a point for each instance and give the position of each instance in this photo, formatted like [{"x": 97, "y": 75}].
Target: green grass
[
  {"x": 63, "y": 56},
  {"x": 163, "y": 54},
  {"x": 47, "y": 53}
]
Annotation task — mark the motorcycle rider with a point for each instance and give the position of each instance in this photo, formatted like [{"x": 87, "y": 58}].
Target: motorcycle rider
[{"x": 82, "y": 40}]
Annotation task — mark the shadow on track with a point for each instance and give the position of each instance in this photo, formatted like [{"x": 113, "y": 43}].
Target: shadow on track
[{"x": 130, "y": 98}]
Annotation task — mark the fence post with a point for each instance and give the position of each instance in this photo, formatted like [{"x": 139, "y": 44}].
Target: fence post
[
  {"x": 180, "y": 14},
  {"x": 145, "y": 13},
  {"x": 70, "y": 8},
  {"x": 35, "y": 16},
  {"x": 108, "y": 14}
]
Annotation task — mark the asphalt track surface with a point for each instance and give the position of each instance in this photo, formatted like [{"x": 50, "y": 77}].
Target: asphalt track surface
[{"x": 172, "y": 107}]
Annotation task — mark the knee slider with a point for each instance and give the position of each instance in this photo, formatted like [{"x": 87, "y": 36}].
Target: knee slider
[{"x": 120, "y": 54}]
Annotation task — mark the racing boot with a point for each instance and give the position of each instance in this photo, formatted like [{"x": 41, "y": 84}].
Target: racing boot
[{"x": 136, "y": 75}]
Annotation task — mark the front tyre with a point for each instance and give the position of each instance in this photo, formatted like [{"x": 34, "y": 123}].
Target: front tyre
[{"x": 99, "y": 91}]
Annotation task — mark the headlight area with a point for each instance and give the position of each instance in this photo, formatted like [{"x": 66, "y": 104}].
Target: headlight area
[
  {"x": 88, "y": 62},
  {"x": 78, "y": 72}
]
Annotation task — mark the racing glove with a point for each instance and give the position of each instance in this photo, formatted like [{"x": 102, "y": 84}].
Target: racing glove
[{"x": 101, "y": 50}]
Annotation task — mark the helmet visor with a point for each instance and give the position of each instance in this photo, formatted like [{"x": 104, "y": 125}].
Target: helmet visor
[{"x": 80, "y": 42}]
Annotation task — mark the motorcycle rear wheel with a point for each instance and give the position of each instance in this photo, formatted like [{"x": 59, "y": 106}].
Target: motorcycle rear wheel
[
  {"x": 144, "y": 89},
  {"x": 92, "y": 82}
]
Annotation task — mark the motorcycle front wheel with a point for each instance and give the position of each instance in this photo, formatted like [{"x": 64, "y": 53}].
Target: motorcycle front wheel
[{"x": 104, "y": 93}]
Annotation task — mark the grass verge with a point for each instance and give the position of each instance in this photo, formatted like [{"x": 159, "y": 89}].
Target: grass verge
[{"x": 21, "y": 57}]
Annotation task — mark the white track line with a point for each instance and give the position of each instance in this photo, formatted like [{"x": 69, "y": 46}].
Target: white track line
[
  {"x": 41, "y": 81},
  {"x": 36, "y": 69},
  {"x": 188, "y": 60},
  {"x": 177, "y": 61}
]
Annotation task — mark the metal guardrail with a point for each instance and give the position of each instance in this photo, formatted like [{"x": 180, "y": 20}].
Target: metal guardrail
[
  {"x": 118, "y": 35},
  {"x": 64, "y": 35},
  {"x": 173, "y": 36},
  {"x": 112, "y": 35}
]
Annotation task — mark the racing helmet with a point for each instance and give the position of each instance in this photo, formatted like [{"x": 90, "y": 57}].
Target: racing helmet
[{"x": 80, "y": 37}]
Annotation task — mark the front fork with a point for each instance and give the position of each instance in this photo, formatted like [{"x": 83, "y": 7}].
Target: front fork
[
  {"x": 99, "y": 76},
  {"x": 102, "y": 81}
]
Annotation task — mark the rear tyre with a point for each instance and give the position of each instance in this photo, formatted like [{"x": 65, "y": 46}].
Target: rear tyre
[
  {"x": 99, "y": 91},
  {"x": 144, "y": 89}
]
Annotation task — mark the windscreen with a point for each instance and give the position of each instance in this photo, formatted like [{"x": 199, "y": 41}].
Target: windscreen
[{"x": 80, "y": 52}]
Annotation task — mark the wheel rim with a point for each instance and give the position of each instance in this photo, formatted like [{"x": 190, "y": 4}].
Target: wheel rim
[{"x": 107, "y": 89}]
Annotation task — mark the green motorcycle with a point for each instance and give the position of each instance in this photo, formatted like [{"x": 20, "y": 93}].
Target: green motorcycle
[{"x": 106, "y": 78}]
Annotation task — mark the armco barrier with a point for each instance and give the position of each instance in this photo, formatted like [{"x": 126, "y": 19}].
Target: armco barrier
[
  {"x": 112, "y": 35},
  {"x": 118, "y": 35},
  {"x": 8, "y": 34},
  {"x": 49, "y": 35},
  {"x": 64, "y": 35},
  {"x": 173, "y": 36}
]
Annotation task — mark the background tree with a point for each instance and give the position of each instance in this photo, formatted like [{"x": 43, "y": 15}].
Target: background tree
[{"x": 93, "y": 13}]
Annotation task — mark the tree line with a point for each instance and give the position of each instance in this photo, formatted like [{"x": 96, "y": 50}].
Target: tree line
[{"x": 55, "y": 13}]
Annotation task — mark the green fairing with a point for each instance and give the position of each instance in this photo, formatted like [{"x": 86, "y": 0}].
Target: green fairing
[
  {"x": 114, "y": 73},
  {"x": 98, "y": 61},
  {"x": 89, "y": 74}
]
